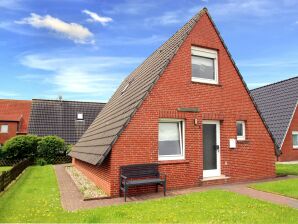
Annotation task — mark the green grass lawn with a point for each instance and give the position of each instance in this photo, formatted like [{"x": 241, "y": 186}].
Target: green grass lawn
[
  {"x": 284, "y": 187},
  {"x": 286, "y": 169},
  {"x": 4, "y": 168},
  {"x": 35, "y": 198}
]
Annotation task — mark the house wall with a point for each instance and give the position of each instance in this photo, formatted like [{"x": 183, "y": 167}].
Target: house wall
[
  {"x": 12, "y": 131},
  {"x": 288, "y": 152},
  {"x": 229, "y": 101},
  {"x": 100, "y": 175}
]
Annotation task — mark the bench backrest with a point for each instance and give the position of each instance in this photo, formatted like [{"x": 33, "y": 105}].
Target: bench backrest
[{"x": 140, "y": 170}]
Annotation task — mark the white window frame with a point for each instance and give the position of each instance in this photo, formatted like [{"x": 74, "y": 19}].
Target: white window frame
[
  {"x": 241, "y": 137},
  {"x": 80, "y": 113},
  {"x": 1, "y": 131},
  {"x": 207, "y": 53},
  {"x": 182, "y": 137},
  {"x": 294, "y": 133}
]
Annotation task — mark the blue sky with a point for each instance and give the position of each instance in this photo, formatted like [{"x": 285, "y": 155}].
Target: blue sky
[{"x": 83, "y": 49}]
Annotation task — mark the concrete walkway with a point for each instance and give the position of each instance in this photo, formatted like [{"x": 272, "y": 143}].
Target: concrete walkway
[
  {"x": 261, "y": 195},
  {"x": 72, "y": 199},
  {"x": 290, "y": 162}
]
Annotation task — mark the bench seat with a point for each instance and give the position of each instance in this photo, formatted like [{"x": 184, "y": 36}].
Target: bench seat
[{"x": 141, "y": 174}]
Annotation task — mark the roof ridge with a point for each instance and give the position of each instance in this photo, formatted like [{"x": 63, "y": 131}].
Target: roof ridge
[
  {"x": 68, "y": 101},
  {"x": 274, "y": 83},
  {"x": 15, "y": 100}
]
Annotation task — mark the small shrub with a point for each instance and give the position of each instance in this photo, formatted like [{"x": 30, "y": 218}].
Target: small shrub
[
  {"x": 41, "y": 162},
  {"x": 20, "y": 147},
  {"x": 49, "y": 147}
]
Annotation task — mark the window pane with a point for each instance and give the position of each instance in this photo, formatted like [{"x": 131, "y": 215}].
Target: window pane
[
  {"x": 239, "y": 129},
  {"x": 203, "y": 67},
  {"x": 169, "y": 139},
  {"x": 80, "y": 116},
  {"x": 295, "y": 139},
  {"x": 4, "y": 128}
]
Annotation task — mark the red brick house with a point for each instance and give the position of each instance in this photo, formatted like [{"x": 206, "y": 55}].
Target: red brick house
[
  {"x": 14, "y": 118},
  {"x": 277, "y": 103},
  {"x": 187, "y": 108}
]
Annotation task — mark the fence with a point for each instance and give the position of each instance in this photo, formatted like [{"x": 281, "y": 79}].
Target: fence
[
  {"x": 9, "y": 162},
  {"x": 8, "y": 176},
  {"x": 62, "y": 159},
  {"x": 57, "y": 160}
]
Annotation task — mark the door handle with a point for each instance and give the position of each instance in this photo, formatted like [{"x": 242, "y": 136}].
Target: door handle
[{"x": 217, "y": 147}]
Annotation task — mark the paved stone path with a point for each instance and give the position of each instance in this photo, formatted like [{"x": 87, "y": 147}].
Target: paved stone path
[
  {"x": 290, "y": 162},
  {"x": 72, "y": 199},
  {"x": 261, "y": 195}
]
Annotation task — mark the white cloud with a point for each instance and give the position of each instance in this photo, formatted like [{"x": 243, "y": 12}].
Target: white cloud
[
  {"x": 10, "y": 4},
  {"x": 72, "y": 31},
  {"x": 133, "y": 7},
  {"x": 168, "y": 18},
  {"x": 154, "y": 39},
  {"x": 256, "y": 8},
  {"x": 81, "y": 75},
  {"x": 97, "y": 18}
]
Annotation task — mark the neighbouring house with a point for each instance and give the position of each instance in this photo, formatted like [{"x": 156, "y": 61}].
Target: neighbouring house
[
  {"x": 14, "y": 118},
  {"x": 277, "y": 103},
  {"x": 187, "y": 108},
  {"x": 66, "y": 119}
]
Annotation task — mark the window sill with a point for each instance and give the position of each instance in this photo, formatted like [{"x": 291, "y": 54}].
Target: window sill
[
  {"x": 169, "y": 162},
  {"x": 295, "y": 148},
  {"x": 242, "y": 141},
  {"x": 205, "y": 83}
]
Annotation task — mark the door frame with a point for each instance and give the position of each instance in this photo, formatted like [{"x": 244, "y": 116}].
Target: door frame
[{"x": 215, "y": 172}]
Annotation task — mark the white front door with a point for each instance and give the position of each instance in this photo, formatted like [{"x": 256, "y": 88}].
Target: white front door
[{"x": 211, "y": 149}]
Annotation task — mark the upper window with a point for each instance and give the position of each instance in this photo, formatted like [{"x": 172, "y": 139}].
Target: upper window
[
  {"x": 240, "y": 130},
  {"x": 80, "y": 116},
  {"x": 170, "y": 139},
  {"x": 4, "y": 128},
  {"x": 204, "y": 65},
  {"x": 295, "y": 139}
]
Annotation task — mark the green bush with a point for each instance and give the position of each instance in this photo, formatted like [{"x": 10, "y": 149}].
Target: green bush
[
  {"x": 49, "y": 147},
  {"x": 41, "y": 162},
  {"x": 19, "y": 147}
]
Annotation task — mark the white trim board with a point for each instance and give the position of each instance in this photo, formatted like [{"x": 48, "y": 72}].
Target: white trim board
[{"x": 282, "y": 143}]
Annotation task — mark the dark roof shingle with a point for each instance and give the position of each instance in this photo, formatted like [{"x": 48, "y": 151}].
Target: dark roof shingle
[
  {"x": 55, "y": 117},
  {"x": 277, "y": 103}
]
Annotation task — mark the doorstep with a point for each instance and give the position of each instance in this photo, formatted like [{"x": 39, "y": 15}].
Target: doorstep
[{"x": 221, "y": 177}]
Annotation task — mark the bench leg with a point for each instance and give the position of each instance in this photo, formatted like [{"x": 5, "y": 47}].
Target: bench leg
[
  {"x": 156, "y": 187},
  {"x": 125, "y": 189},
  {"x": 164, "y": 189}
]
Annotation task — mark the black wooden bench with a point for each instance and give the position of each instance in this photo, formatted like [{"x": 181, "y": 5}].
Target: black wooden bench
[{"x": 141, "y": 174}]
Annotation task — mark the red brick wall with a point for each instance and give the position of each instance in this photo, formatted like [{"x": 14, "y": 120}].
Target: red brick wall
[
  {"x": 228, "y": 101},
  {"x": 100, "y": 175},
  {"x": 12, "y": 131},
  {"x": 288, "y": 152}
]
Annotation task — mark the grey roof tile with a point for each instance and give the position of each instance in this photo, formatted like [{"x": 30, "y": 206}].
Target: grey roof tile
[
  {"x": 277, "y": 103},
  {"x": 55, "y": 117}
]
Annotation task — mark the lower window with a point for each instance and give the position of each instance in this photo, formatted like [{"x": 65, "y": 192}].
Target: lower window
[
  {"x": 295, "y": 139},
  {"x": 170, "y": 139}
]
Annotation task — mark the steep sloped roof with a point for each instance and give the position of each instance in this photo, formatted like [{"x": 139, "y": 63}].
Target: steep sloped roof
[
  {"x": 16, "y": 110},
  {"x": 277, "y": 103},
  {"x": 59, "y": 117},
  {"x": 97, "y": 141}
]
